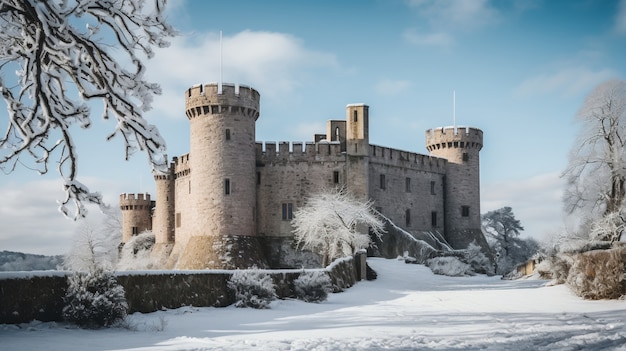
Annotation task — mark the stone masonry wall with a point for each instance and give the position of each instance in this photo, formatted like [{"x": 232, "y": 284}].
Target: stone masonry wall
[{"x": 39, "y": 295}]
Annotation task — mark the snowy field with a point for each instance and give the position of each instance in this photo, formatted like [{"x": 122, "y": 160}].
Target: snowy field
[{"x": 406, "y": 308}]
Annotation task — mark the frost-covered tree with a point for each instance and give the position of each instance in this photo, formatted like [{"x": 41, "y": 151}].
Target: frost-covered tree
[
  {"x": 329, "y": 224},
  {"x": 96, "y": 244},
  {"x": 59, "y": 56},
  {"x": 136, "y": 254},
  {"x": 596, "y": 171},
  {"x": 502, "y": 231}
]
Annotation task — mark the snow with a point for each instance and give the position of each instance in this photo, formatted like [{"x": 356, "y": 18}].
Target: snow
[{"x": 406, "y": 308}]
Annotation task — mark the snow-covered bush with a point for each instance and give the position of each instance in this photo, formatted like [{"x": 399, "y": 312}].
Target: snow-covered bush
[
  {"x": 475, "y": 256},
  {"x": 252, "y": 288},
  {"x": 312, "y": 286},
  {"x": 136, "y": 253},
  {"x": 94, "y": 299},
  {"x": 555, "y": 267},
  {"x": 450, "y": 266},
  {"x": 597, "y": 275}
]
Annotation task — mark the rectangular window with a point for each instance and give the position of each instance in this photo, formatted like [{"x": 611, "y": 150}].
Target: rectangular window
[
  {"x": 432, "y": 188},
  {"x": 407, "y": 217},
  {"x": 287, "y": 211},
  {"x": 227, "y": 134},
  {"x": 383, "y": 182},
  {"x": 135, "y": 230},
  {"x": 433, "y": 218},
  {"x": 226, "y": 186},
  {"x": 258, "y": 178},
  {"x": 465, "y": 157},
  {"x": 336, "y": 177},
  {"x": 407, "y": 185},
  {"x": 465, "y": 211},
  {"x": 178, "y": 220}
]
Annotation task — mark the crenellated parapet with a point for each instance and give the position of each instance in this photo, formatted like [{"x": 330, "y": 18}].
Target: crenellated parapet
[
  {"x": 206, "y": 99},
  {"x": 454, "y": 137},
  {"x": 285, "y": 151},
  {"x": 182, "y": 167},
  {"x": 135, "y": 202},
  {"x": 400, "y": 158}
]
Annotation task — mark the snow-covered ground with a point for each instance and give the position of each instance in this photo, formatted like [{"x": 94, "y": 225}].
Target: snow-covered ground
[{"x": 406, "y": 308}]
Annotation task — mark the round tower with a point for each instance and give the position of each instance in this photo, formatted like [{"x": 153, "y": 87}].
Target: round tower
[
  {"x": 461, "y": 147},
  {"x": 222, "y": 162},
  {"x": 163, "y": 216},
  {"x": 136, "y": 214}
]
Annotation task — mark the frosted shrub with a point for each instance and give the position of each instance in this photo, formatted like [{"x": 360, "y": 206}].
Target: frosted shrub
[
  {"x": 94, "y": 299},
  {"x": 252, "y": 288},
  {"x": 597, "y": 275},
  {"x": 555, "y": 267},
  {"x": 477, "y": 259},
  {"x": 450, "y": 266},
  {"x": 312, "y": 286}
]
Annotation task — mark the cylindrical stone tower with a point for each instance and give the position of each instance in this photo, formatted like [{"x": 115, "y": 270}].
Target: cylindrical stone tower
[
  {"x": 461, "y": 147},
  {"x": 136, "y": 214},
  {"x": 163, "y": 216},
  {"x": 223, "y": 171}
]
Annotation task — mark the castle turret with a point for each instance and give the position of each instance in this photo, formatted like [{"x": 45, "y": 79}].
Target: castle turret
[
  {"x": 357, "y": 149},
  {"x": 163, "y": 216},
  {"x": 222, "y": 184},
  {"x": 136, "y": 214},
  {"x": 461, "y": 147}
]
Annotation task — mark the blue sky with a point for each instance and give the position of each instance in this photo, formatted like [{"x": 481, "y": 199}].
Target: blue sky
[{"x": 520, "y": 70}]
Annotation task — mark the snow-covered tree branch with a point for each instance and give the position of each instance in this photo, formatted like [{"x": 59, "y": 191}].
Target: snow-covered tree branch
[
  {"x": 54, "y": 59},
  {"x": 334, "y": 224},
  {"x": 596, "y": 171}
]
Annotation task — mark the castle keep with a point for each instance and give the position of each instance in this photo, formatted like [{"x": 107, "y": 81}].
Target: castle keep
[{"x": 229, "y": 202}]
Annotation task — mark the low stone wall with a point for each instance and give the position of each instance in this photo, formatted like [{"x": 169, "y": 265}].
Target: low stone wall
[{"x": 27, "y": 296}]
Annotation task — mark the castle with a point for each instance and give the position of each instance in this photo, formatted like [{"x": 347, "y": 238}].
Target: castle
[{"x": 229, "y": 202}]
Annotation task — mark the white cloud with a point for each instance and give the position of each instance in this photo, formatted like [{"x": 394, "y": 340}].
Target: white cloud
[
  {"x": 387, "y": 86},
  {"x": 270, "y": 62},
  {"x": 566, "y": 82},
  {"x": 440, "y": 39},
  {"x": 620, "y": 18},
  {"x": 536, "y": 202}
]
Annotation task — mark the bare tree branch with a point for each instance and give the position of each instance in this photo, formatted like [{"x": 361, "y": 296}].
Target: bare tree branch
[{"x": 53, "y": 59}]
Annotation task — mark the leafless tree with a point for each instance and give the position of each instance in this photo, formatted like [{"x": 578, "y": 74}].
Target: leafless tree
[
  {"x": 595, "y": 174},
  {"x": 329, "y": 224},
  {"x": 56, "y": 56}
]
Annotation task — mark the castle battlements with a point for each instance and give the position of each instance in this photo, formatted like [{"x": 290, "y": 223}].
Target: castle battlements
[
  {"x": 454, "y": 137},
  {"x": 135, "y": 201},
  {"x": 294, "y": 151},
  {"x": 401, "y": 158},
  {"x": 205, "y": 99}
]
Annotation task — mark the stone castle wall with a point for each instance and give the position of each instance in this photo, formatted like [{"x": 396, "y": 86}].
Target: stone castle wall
[
  {"x": 136, "y": 214},
  {"x": 405, "y": 184}
]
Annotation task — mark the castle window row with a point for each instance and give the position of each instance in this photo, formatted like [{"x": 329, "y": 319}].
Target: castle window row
[
  {"x": 407, "y": 184},
  {"x": 133, "y": 207},
  {"x": 216, "y": 109},
  {"x": 455, "y": 144}
]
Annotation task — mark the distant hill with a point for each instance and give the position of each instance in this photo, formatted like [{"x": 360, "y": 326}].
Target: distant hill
[{"x": 18, "y": 261}]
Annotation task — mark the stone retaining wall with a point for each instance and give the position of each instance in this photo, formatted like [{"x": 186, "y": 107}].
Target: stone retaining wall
[{"x": 27, "y": 296}]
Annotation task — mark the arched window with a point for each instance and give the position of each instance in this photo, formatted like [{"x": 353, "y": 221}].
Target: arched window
[{"x": 337, "y": 134}]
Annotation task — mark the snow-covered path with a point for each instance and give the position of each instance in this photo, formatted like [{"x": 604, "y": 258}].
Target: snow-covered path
[{"x": 406, "y": 308}]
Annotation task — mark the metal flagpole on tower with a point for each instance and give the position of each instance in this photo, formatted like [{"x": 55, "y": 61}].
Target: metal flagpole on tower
[
  {"x": 219, "y": 85},
  {"x": 454, "y": 109}
]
